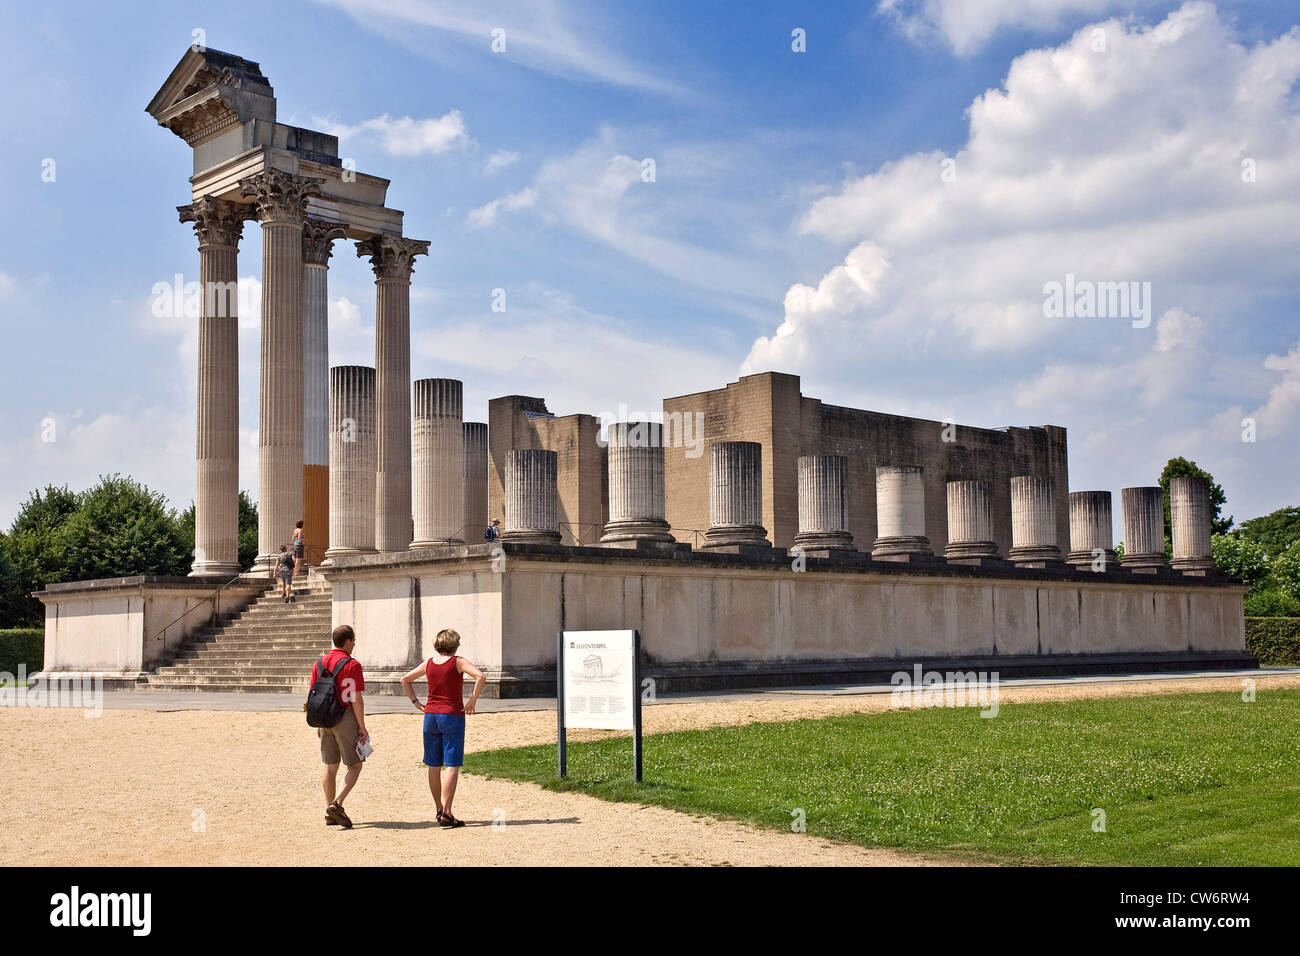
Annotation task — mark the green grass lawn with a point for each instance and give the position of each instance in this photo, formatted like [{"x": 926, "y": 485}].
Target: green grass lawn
[{"x": 1185, "y": 779}]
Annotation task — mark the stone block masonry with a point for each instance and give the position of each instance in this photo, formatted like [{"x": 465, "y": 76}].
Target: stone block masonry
[{"x": 769, "y": 409}]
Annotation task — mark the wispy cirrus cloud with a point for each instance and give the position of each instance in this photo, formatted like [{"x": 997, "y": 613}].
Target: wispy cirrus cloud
[{"x": 560, "y": 39}]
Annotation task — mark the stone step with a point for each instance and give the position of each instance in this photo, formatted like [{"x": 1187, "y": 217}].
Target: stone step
[
  {"x": 266, "y": 625},
  {"x": 301, "y": 665},
  {"x": 296, "y": 632},
  {"x": 304, "y": 641},
  {"x": 297, "y": 650},
  {"x": 225, "y": 686},
  {"x": 277, "y": 610},
  {"x": 272, "y": 610},
  {"x": 267, "y": 647},
  {"x": 254, "y": 671},
  {"x": 254, "y": 653}
]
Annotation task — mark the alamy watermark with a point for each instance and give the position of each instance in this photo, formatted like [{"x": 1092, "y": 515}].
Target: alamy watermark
[
  {"x": 917, "y": 688},
  {"x": 85, "y": 691},
  {"x": 1084, "y": 299},
  {"x": 678, "y": 429}
]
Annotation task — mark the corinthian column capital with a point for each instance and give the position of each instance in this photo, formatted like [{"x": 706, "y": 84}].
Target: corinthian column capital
[
  {"x": 392, "y": 257},
  {"x": 217, "y": 222},
  {"x": 318, "y": 240},
  {"x": 280, "y": 196}
]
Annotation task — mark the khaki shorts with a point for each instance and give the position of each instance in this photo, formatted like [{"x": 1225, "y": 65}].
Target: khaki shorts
[{"x": 340, "y": 741}]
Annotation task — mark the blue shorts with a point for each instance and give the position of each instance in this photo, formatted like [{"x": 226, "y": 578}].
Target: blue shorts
[{"x": 444, "y": 740}]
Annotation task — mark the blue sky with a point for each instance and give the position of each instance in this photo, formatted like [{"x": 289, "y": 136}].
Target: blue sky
[{"x": 798, "y": 220}]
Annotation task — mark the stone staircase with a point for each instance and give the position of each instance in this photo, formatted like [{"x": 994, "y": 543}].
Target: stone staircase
[{"x": 268, "y": 647}]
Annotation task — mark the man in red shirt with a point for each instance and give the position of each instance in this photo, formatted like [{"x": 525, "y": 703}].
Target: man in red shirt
[{"x": 340, "y": 741}]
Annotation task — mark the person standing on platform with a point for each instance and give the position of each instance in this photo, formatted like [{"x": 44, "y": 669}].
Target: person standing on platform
[{"x": 299, "y": 549}]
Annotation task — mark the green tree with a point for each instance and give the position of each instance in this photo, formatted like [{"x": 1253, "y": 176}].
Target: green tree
[
  {"x": 12, "y": 605},
  {"x": 247, "y": 529},
  {"x": 1182, "y": 468},
  {"x": 35, "y": 549},
  {"x": 1284, "y": 571},
  {"x": 122, "y": 528},
  {"x": 1238, "y": 556},
  {"x": 1274, "y": 531}
]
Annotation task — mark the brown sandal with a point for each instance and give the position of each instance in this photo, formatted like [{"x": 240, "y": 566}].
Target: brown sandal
[{"x": 335, "y": 812}]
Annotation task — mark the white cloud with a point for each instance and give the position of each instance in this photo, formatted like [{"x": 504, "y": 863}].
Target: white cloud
[
  {"x": 499, "y": 160},
  {"x": 351, "y": 341},
  {"x": 966, "y": 25},
  {"x": 1118, "y": 166},
  {"x": 404, "y": 136},
  {"x": 584, "y": 362},
  {"x": 7, "y": 285},
  {"x": 486, "y": 215}
]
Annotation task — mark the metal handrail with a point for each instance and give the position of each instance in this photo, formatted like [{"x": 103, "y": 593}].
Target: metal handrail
[
  {"x": 585, "y": 525},
  {"x": 695, "y": 533},
  {"x": 214, "y": 597}
]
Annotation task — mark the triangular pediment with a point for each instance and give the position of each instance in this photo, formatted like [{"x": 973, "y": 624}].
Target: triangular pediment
[{"x": 207, "y": 86}]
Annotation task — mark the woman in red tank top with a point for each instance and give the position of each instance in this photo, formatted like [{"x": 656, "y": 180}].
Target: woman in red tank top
[
  {"x": 446, "y": 687},
  {"x": 444, "y": 718}
]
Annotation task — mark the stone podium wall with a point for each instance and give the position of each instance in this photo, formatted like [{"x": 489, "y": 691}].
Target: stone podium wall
[
  {"x": 112, "y": 626},
  {"x": 712, "y": 615}
]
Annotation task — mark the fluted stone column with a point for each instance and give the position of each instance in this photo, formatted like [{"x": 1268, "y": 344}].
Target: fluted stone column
[
  {"x": 1091, "y": 545},
  {"x": 1189, "y": 512},
  {"x": 438, "y": 462},
  {"x": 1144, "y": 529},
  {"x": 353, "y": 453},
  {"x": 970, "y": 522},
  {"x": 280, "y": 199},
  {"x": 1033, "y": 523},
  {"x": 317, "y": 243},
  {"x": 900, "y": 514},
  {"x": 823, "y": 519},
  {"x": 393, "y": 259},
  {"x": 636, "y": 485},
  {"x": 476, "y": 481},
  {"x": 735, "y": 496},
  {"x": 219, "y": 226},
  {"x": 531, "y": 497}
]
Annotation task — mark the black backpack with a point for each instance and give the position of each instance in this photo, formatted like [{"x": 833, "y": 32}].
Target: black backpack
[{"x": 324, "y": 709}]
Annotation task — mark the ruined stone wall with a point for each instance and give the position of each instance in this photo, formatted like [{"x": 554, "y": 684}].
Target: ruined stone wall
[
  {"x": 519, "y": 421},
  {"x": 769, "y": 409}
]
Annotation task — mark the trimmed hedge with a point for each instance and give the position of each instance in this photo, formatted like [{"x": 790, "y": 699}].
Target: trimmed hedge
[
  {"x": 22, "y": 645},
  {"x": 1274, "y": 640}
]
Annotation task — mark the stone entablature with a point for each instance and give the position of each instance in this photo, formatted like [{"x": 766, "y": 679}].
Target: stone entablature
[{"x": 224, "y": 108}]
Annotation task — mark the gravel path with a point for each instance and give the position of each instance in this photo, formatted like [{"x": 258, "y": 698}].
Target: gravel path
[{"x": 201, "y": 787}]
